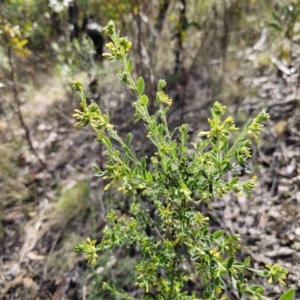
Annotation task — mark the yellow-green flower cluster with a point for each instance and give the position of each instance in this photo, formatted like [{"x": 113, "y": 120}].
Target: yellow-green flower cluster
[
  {"x": 118, "y": 51},
  {"x": 109, "y": 29},
  {"x": 93, "y": 116},
  {"x": 277, "y": 274},
  {"x": 161, "y": 97},
  {"x": 119, "y": 47},
  {"x": 90, "y": 250},
  {"x": 255, "y": 127},
  {"x": 219, "y": 130}
]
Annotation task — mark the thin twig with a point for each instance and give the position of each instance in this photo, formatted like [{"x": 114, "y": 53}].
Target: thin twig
[
  {"x": 11, "y": 284},
  {"x": 13, "y": 76}
]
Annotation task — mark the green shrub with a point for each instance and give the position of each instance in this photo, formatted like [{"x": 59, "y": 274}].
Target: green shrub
[{"x": 182, "y": 246}]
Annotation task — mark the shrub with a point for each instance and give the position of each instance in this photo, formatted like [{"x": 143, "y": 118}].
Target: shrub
[{"x": 174, "y": 180}]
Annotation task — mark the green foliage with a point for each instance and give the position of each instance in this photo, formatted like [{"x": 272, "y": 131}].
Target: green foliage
[
  {"x": 288, "y": 295},
  {"x": 181, "y": 246},
  {"x": 285, "y": 19},
  {"x": 23, "y": 22}
]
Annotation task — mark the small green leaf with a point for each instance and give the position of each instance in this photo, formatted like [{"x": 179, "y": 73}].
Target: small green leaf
[
  {"x": 128, "y": 139},
  {"x": 106, "y": 141},
  {"x": 222, "y": 284},
  {"x": 262, "y": 273},
  {"x": 160, "y": 129},
  {"x": 224, "y": 145},
  {"x": 249, "y": 123},
  {"x": 247, "y": 168},
  {"x": 205, "y": 231},
  {"x": 204, "y": 174},
  {"x": 249, "y": 292},
  {"x": 247, "y": 261},
  {"x": 96, "y": 169},
  {"x": 143, "y": 161},
  {"x": 144, "y": 100},
  {"x": 257, "y": 289},
  {"x": 126, "y": 149},
  {"x": 229, "y": 263},
  {"x": 129, "y": 65},
  {"x": 144, "y": 174},
  {"x": 234, "y": 180},
  {"x": 218, "y": 234},
  {"x": 276, "y": 17},
  {"x": 275, "y": 26},
  {"x": 99, "y": 173},
  {"x": 116, "y": 153},
  {"x": 210, "y": 188},
  {"x": 206, "y": 295},
  {"x": 236, "y": 172},
  {"x": 217, "y": 281},
  {"x": 211, "y": 288},
  {"x": 288, "y": 295},
  {"x": 149, "y": 177},
  {"x": 194, "y": 256},
  {"x": 241, "y": 277},
  {"x": 140, "y": 85},
  {"x": 161, "y": 84},
  {"x": 107, "y": 287},
  {"x": 126, "y": 159}
]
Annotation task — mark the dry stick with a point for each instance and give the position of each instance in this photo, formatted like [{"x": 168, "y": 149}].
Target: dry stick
[
  {"x": 139, "y": 35},
  {"x": 187, "y": 73},
  {"x": 163, "y": 8},
  {"x": 224, "y": 41},
  {"x": 17, "y": 281},
  {"x": 184, "y": 77},
  {"x": 179, "y": 69},
  {"x": 84, "y": 292},
  {"x": 19, "y": 111}
]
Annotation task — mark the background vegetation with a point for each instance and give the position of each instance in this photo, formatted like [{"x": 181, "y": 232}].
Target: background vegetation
[{"x": 243, "y": 53}]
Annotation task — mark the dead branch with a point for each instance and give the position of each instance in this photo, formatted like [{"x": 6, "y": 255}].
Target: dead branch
[{"x": 13, "y": 76}]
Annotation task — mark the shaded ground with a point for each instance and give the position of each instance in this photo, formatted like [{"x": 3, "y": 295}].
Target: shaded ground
[{"x": 59, "y": 206}]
